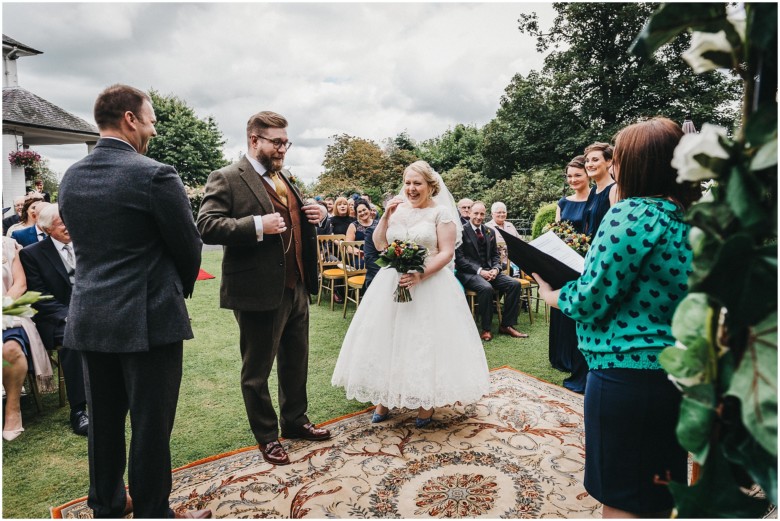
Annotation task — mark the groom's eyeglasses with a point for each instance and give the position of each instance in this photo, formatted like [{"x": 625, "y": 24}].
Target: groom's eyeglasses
[{"x": 277, "y": 143}]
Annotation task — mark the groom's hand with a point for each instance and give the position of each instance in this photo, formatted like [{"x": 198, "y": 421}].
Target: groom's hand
[
  {"x": 314, "y": 213},
  {"x": 273, "y": 223}
]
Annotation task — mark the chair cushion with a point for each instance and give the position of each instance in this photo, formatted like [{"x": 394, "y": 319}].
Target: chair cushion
[
  {"x": 333, "y": 273},
  {"x": 357, "y": 280}
]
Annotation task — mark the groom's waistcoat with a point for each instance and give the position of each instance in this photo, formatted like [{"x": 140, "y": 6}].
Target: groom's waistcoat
[{"x": 291, "y": 237}]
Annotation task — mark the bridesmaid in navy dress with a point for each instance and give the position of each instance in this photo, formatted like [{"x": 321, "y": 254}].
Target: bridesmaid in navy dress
[
  {"x": 564, "y": 352},
  {"x": 598, "y": 161}
]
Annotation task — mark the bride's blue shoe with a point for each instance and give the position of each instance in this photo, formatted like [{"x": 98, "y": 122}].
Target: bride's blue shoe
[
  {"x": 379, "y": 418},
  {"x": 423, "y": 422}
]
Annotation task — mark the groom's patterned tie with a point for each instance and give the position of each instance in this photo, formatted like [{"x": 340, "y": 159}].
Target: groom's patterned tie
[{"x": 281, "y": 188}]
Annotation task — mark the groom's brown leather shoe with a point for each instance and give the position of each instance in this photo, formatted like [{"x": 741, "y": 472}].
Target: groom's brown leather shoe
[
  {"x": 307, "y": 432},
  {"x": 274, "y": 453},
  {"x": 486, "y": 336}
]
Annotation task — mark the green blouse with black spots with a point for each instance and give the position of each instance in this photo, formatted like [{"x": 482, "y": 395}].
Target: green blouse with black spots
[{"x": 636, "y": 273}]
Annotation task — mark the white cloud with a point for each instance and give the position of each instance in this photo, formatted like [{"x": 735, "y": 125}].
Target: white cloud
[{"x": 365, "y": 69}]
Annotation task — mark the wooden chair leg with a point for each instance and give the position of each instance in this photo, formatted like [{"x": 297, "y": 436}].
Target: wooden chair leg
[
  {"x": 32, "y": 384},
  {"x": 346, "y": 301},
  {"x": 528, "y": 304},
  {"x": 498, "y": 308}
]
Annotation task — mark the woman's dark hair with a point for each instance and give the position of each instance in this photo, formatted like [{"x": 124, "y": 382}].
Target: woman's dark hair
[
  {"x": 576, "y": 162},
  {"x": 26, "y": 208},
  {"x": 363, "y": 202},
  {"x": 643, "y": 158},
  {"x": 114, "y": 101}
]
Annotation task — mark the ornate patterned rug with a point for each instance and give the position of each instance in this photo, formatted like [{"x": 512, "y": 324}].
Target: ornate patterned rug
[{"x": 518, "y": 453}]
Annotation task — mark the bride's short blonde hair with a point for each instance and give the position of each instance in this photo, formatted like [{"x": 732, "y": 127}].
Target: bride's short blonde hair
[{"x": 425, "y": 170}]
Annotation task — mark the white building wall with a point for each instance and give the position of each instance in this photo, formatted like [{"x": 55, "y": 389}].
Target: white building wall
[{"x": 13, "y": 176}]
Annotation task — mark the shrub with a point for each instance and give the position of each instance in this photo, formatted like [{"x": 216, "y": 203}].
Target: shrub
[{"x": 545, "y": 215}]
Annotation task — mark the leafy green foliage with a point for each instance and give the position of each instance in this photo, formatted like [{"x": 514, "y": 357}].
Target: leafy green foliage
[
  {"x": 526, "y": 191},
  {"x": 459, "y": 146},
  {"x": 590, "y": 87},
  {"x": 726, "y": 360},
  {"x": 354, "y": 164},
  {"x": 191, "y": 145},
  {"x": 544, "y": 216}
]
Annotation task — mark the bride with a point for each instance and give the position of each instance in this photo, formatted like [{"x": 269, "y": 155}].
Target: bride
[{"x": 425, "y": 353}]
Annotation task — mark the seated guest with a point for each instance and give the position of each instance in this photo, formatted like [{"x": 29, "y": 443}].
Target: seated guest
[
  {"x": 34, "y": 233},
  {"x": 357, "y": 230},
  {"x": 464, "y": 207},
  {"x": 329, "y": 205},
  {"x": 25, "y": 218},
  {"x": 17, "y": 215},
  {"x": 50, "y": 266},
  {"x": 23, "y": 350},
  {"x": 341, "y": 219},
  {"x": 479, "y": 269},
  {"x": 498, "y": 212}
]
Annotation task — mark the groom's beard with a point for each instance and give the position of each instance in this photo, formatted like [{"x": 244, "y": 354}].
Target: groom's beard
[{"x": 270, "y": 163}]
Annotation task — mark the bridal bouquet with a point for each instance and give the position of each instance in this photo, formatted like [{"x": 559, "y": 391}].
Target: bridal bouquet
[
  {"x": 579, "y": 242},
  {"x": 405, "y": 257}
]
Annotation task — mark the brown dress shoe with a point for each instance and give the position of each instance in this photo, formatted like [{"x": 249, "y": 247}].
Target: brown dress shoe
[
  {"x": 195, "y": 514},
  {"x": 509, "y": 330},
  {"x": 307, "y": 432},
  {"x": 274, "y": 453},
  {"x": 486, "y": 336}
]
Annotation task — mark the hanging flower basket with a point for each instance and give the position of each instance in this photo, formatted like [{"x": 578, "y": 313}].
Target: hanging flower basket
[{"x": 24, "y": 158}]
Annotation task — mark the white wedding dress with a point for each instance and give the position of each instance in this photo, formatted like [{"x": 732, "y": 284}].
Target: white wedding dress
[{"x": 424, "y": 353}]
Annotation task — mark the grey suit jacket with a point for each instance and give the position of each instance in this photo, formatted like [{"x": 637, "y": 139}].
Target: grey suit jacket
[
  {"x": 137, "y": 253},
  {"x": 252, "y": 271}
]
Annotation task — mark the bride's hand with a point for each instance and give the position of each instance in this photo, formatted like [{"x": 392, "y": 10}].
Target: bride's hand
[
  {"x": 408, "y": 280},
  {"x": 392, "y": 205}
]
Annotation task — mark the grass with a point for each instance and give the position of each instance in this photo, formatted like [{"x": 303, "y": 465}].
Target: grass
[{"x": 47, "y": 465}]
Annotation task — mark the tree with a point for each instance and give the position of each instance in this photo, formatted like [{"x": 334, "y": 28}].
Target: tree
[
  {"x": 353, "y": 164},
  {"x": 526, "y": 191},
  {"x": 192, "y": 145},
  {"x": 461, "y": 145},
  {"x": 590, "y": 87}
]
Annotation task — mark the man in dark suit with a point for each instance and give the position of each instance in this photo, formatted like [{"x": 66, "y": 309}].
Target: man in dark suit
[
  {"x": 138, "y": 255},
  {"x": 17, "y": 215},
  {"x": 39, "y": 190},
  {"x": 34, "y": 233},
  {"x": 478, "y": 266},
  {"x": 268, "y": 270},
  {"x": 49, "y": 266}
]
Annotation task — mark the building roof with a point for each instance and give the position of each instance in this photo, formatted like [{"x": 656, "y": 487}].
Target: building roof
[
  {"x": 22, "y": 107},
  {"x": 7, "y": 40}
]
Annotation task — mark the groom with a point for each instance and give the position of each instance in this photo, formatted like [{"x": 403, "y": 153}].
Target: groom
[{"x": 268, "y": 271}]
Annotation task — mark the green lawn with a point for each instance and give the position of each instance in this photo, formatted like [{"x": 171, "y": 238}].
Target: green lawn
[{"x": 47, "y": 465}]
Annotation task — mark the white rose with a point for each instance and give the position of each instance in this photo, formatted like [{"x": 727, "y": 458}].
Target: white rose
[
  {"x": 705, "y": 142},
  {"x": 702, "y": 43}
]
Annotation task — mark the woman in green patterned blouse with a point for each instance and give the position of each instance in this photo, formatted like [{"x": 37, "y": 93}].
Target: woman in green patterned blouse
[{"x": 636, "y": 273}]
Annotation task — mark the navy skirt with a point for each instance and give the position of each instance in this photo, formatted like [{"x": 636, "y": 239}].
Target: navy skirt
[
  {"x": 19, "y": 335},
  {"x": 630, "y": 421}
]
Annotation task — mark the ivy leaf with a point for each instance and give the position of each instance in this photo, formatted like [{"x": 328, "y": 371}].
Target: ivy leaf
[
  {"x": 744, "y": 198},
  {"x": 765, "y": 157},
  {"x": 755, "y": 383},
  {"x": 762, "y": 125},
  {"x": 716, "y": 493},
  {"x": 741, "y": 448},
  {"x": 697, "y": 414},
  {"x": 741, "y": 280},
  {"x": 671, "y": 19}
]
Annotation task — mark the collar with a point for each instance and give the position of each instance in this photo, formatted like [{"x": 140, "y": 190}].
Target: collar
[
  {"x": 119, "y": 139},
  {"x": 260, "y": 169},
  {"x": 58, "y": 245}
]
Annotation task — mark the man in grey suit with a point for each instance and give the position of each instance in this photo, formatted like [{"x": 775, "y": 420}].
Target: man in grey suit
[
  {"x": 268, "y": 270},
  {"x": 138, "y": 256}
]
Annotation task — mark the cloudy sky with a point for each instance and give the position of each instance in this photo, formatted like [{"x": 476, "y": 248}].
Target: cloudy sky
[{"x": 366, "y": 69}]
